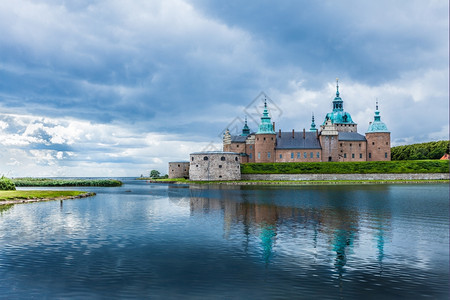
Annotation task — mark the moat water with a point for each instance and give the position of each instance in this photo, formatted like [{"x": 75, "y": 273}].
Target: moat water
[{"x": 159, "y": 241}]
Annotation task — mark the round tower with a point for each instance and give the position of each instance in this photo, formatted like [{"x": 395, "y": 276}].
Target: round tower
[
  {"x": 378, "y": 139},
  {"x": 265, "y": 139}
]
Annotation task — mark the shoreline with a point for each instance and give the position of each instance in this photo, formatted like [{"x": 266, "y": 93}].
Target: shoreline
[
  {"x": 302, "y": 182},
  {"x": 32, "y": 200}
]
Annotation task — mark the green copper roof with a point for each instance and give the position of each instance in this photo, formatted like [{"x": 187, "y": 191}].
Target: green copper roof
[
  {"x": 266, "y": 125},
  {"x": 338, "y": 115},
  {"x": 377, "y": 125},
  {"x": 313, "y": 125},
  {"x": 245, "y": 130}
]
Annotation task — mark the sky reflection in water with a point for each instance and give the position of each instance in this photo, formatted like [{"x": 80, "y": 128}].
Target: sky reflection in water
[{"x": 162, "y": 241}]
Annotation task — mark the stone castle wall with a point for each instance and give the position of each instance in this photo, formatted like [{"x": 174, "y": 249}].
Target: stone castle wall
[
  {"x": 179, "y": 169},
  {"x": 214, "y": 165},
  {"x": 407, "y": 176}
]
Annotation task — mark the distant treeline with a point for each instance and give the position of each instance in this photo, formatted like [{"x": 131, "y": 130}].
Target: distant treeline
[
  {"x": 430, "y": 150},
  {"x": 66, "y": 182}
]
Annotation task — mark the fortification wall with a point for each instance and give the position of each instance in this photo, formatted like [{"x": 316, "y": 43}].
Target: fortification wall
[
  {"x": 214, "y": 165},
  {"x": 411, "y": 176},
  {"x": 179, "y": 169}
]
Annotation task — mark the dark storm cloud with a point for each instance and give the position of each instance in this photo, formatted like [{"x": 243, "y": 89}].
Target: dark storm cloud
[{"x": 189, "y": 68}]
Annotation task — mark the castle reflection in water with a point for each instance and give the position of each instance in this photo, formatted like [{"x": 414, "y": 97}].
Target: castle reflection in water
[{"x": 275, "y": 216}]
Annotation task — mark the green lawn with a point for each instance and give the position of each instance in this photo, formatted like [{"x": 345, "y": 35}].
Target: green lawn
[{"x": 18, "y": 195}]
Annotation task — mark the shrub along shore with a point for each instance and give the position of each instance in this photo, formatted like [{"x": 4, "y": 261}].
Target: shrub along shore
[
  {"x": 363, "y": 167},
  {"x": 44, "y": 182}
]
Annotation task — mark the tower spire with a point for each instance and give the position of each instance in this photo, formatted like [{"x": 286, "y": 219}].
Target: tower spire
[
  {"x": 266, "y": 125},
  {"x": 246, "y": 129},
  {"x": 313, "y": 125},
  {"x": 337, "y": 87}
]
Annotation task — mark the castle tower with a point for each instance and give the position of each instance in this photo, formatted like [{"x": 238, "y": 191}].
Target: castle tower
[
  {"x": 378, "y": 139},
  {"x": 226, "y": 141},
  {"x": 338, "y": 117},
  {"x": 265, "y": 139},
  {"x": 329, "y": 142}
]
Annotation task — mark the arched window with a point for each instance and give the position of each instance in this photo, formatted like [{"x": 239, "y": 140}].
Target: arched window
[
  {"x": 222, "y": 158},
  {"x": 236, "y": 159},
  {"x": 205, "y": 158},
  {"x": 192, "y": 159}
]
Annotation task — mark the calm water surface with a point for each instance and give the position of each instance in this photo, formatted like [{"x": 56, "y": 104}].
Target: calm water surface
[{"x": 169, "y": 241}]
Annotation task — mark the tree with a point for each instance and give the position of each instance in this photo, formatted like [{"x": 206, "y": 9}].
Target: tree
[{"x": 155, "y": 174}]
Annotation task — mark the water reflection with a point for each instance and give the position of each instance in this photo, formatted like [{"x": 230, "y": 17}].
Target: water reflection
[
  {"x": 174, "y": 241},
  {"x": 335, "y": 220}
]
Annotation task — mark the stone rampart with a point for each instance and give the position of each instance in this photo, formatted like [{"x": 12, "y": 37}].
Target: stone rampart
[
  {"x": 179, "y": 169},
  {"x": 403, "y": 176},
  {"x": 214, "y": 165}
]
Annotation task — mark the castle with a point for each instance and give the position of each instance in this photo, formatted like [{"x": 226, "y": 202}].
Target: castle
[{"x": 337, "y": 140}]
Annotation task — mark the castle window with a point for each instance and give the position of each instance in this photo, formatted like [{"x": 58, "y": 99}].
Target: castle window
[
  {"x": 192, "y": 159},
  {"x": 281, "y": 155},
  {"x": 264, "y": 138},
  {"x": 318, "y": 154},
  {"x": 259, "y": 155},
  {"x": 271, "y": 138},
  {"x": 236, "y": 159},
  {"x": 345, "y": 155},
  {"x": 311, "y": 155},
  {"x": 360, "y": 155},
  {"x": 350, "y": 144},
  {"x": 304, "y": 155},
  {"x": 359, "y": 145},
  {"x": 220, "y": 176},
  {"x": 341, "y": 145},
  {"x": 373, "y": 143},
  {"x": 222, "y": 158},
  {"x": 250, "y": 155},
  {"x": 353, "y": 155},
  {"x": 268, "y": 154},
  {"x": 205, "y": 158},
  {"x": 370, "y": 155},
  {"x": 292, "y": 154},
  {"x": 257, "y": 139},
  {"x": 237, "y": 146},
  {"x": 220, "y": 166},
  {"x": 196, "y": 166},
  {"x": 387, "y": 143},
  {"x": 385, "y": 154},
  {"x": 298, "y": 155},
  {"x": 251, "y": 147},
  {"x": 178, "y": 166}
]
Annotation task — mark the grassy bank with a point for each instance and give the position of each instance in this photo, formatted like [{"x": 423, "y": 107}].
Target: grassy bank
[
  {"x": 44, "y": 182},
  {"x": 11, "y": 197},
  {"x": 366, "y": 167}
]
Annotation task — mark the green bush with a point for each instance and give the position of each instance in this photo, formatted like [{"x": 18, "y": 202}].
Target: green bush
[
  {"x": 7, "y": 184},
  {"x": 66, "y": 182},
  {"x": 430, "y": 150},
  {"x": 365, "y": 167}
]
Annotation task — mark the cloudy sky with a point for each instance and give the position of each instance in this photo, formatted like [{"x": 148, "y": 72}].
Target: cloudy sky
[{"x": 117, "y": 88}]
